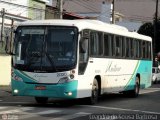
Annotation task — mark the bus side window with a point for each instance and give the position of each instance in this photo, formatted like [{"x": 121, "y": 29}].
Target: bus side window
[
  {"x": 127, "y": 47},
  {"x": 144, "y": 49},
  {"x": 96, "y": 43},
  {"x": 112, "y": 40},
  {"x": 100, "y": 44},
  {"x": 123, "y": 47},
  {"x": 149, "y": 50},
  {"x": 136, "y": 49},
  {"x": 140, "y": 49},
  {"x": 107, "y": 47},
  {"x": 132, "y": 47},
  {"x": 118, "y": 46},
  {"x": 93, "y": 43}
]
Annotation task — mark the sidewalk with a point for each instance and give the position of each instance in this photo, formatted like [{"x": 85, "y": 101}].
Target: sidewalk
[{"x": 5, "y": 91}]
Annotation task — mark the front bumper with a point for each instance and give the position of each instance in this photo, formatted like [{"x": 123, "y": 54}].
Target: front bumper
[{"x": 65, "y": 90}]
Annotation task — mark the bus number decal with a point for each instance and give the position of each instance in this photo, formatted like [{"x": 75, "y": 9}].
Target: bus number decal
[{"x": 61, "y": 74}]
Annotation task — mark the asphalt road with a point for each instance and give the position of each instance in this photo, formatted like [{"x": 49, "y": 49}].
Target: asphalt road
[{"x": 110, "y": 107}]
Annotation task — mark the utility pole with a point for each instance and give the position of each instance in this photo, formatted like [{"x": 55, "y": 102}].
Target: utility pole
[
  {"x": 11, "y": 34},
  {"x": 113, "y": 12},
  {"x": 2, "y": 25},
  {"x": 155, "y": 32},
  {"x": 60, "y": 8}
]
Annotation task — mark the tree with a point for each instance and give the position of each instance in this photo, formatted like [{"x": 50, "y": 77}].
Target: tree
[{"x": 147, "y": 29}]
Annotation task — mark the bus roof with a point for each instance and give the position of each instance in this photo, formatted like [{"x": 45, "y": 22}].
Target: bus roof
[{"x": 88, "y": 24}]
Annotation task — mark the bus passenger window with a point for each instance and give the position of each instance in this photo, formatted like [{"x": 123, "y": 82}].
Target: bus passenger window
[
  {"x": 139, "y": 49},
  {"x": 144, "y": 49},
  {"x": 132, "y": 48},
  {"x": 93, "y": 43},
  {"x": 127, "y": 47},
  {"x": 96, "y": 44},
  {"x": 136, "y": 49},
  {"x": 118, "y": 41},
  {"x": 123, "y": 47},
  {"x": 111, "y": 38},
  {"x": 149, "y": 50},
  {"x": 107, "y": 48}
]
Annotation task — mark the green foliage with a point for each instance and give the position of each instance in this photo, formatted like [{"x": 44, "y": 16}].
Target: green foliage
[{"x": 147, "y": 29}]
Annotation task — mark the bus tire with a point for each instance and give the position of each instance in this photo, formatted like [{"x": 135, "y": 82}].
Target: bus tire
[
  {"x": 41, "y": 100},
  {"x": 135, "y": 92},
  {"x": 94, "y": 93},
  {"x": 155, "y": 82}
]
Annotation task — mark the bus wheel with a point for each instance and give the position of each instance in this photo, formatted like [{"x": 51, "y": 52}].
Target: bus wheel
[
  {"x": 155, "y": 81},
  {"x": 94, "y": 93},
  {"x": 135, "y": 92},
  {"x": 41, "y": 100}
]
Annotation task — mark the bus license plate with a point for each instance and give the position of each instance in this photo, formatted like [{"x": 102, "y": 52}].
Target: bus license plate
[{"x": 40, "y": 87}]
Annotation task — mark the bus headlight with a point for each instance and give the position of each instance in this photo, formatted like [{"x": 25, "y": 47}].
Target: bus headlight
[
  {"x": 15, "y": 91},
  {"x": 68, "y": 93},
  {"x": 64, "y": 80},
  {"x": 71, "y": 76},
  {"x": 15, "y": 77}
]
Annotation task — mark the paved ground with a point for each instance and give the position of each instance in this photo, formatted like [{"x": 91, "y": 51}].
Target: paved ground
[
  {"x": 145, "y": 107},
  {"x": 5, "y": 91}
]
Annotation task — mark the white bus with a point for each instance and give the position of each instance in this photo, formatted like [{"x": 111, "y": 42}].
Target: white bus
[{"x": 71, "y": 59}]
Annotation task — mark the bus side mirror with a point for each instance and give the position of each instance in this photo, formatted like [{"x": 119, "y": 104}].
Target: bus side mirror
[{"x": 83, "y": 45}]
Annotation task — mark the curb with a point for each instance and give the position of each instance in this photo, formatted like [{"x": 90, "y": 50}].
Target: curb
[{"x": 5, "y": 88}]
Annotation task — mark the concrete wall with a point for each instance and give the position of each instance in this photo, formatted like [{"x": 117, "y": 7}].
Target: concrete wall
[
  {"x": 39, "y": 13},
  {"x": 5, "y": 70}
]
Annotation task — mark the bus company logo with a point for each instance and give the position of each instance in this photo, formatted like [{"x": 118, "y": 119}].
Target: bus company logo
[
  {"x": 39, "y": 76},
  {"x": 112, "y": 68}
]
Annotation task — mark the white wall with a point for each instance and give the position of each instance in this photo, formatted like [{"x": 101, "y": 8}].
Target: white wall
[
  {"x": 5, "y": 70},
  {"x": 13, "y": 9}
]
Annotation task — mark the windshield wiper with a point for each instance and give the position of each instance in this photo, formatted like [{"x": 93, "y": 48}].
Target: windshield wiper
[{"x": 51, "y": 61}]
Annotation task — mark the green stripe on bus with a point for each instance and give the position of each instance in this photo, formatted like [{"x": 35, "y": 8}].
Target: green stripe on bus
[{"x": 130, "y": 80}]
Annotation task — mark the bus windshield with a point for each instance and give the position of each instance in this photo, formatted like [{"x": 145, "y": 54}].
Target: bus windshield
[{"x": 45, "y": 48}]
